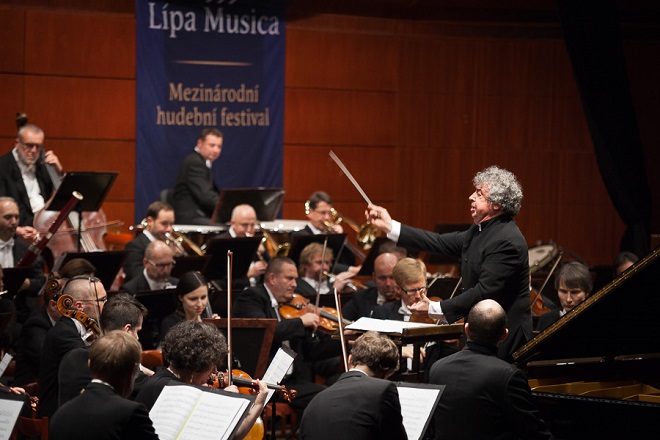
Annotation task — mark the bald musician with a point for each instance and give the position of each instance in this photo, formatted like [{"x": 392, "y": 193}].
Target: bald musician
[{"x": 364, "y": 301}]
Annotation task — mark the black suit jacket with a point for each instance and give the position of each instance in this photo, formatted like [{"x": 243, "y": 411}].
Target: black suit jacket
[
  {"x": 61, "y": 339},
  {"x": 494, "y": 265},
  {"x": 388, "y": 310},
  {"x": 100, "y": 414},
  {"x": 361, "y": 304},
  {"x": 29, "y": 346},
  {"x": 140, "y": 284},
  {"x": 547, "y": 319},
  {"x": 484, "y": 397},
  {"x": 11, "y": 185},
  {"x": 25, "y": 307},
  {"x": 356, "y": 407},
  {"x": 134, "y": 254},
  {"x": 195, "y": 192}
]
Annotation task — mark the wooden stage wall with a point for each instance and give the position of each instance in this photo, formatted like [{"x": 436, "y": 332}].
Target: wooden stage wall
[{"x": 413, "y": 109}]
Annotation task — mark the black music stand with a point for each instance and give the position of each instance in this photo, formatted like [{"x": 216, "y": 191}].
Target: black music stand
[
  {"x": 300, "y": 241},
  {"x": 267, "y": 203},
  {"x": 13, "y": 280},
  {"x": 107, "y": 264},
  {"x": 367, "y": 268},
  {"x": 243, "y": 249},
  {"x": 443, "y": 288},
  {"x": 93, "y": 186},
  {"x": 159, "y": 303},
  {"x": 186, "y": 263}
]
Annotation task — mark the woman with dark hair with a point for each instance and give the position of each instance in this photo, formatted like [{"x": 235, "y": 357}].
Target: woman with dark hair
[
  {"x": 192, "y": 302},
  {"x": 193, "y": 351}
]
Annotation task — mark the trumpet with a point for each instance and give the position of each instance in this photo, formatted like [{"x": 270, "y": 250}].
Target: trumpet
[
  {"x": 180, "y": 242},
  {"x": 275, "y": 249},
  {"x": 366, "y": 233}
]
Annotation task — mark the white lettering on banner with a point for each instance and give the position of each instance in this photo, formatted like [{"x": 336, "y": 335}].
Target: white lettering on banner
[
  {"x": 213, "y": 94},
  {"x": 174, "y": 21}
]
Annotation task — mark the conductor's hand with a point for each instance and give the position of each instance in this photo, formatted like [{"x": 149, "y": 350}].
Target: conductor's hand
[
  {"x": 310, "y": 320},
  {"x": 421, "y": 306},
  {"x": 379, "y": 217},
  {"x": 52, "y": 159}
]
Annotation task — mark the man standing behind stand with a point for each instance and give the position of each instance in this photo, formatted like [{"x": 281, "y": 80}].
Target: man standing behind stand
[
  {"x": 361, "y": 405},
  {"x": 195, "y": 192},
  {"x": 493, "y": 252}
]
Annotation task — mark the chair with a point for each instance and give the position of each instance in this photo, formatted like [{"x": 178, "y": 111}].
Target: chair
[
  {"x": 288, "y": 419},
  {"x": 167, "y": 196},
  {"x": 31, "y": 428},
  {"x": 152, "y": 358}
]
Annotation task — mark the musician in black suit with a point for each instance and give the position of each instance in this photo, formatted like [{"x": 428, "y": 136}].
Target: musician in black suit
[
  {"x": 12, "y": 249},
  {"x": 89, "y": 296},
  {"x": 298, "y": 333},
  {"x": 195, "y": 192},
  {"x": 314, "y": 265},
  {"x": 103, "y": 411},
  {"x": 121, "y": 312},
  {"x": 364, "y": 301},
  {"x": 158, "y": 262},
  {"x": 493, "y": 253},
  {"x": 361, "y": 405},
  {"x": 23, "y": 176},
  {"x": 573, "y": 283},
  {"x": 160, "y": 220},
  {"x": 484, "y": 396}
]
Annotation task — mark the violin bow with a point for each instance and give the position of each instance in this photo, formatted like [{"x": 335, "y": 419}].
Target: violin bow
[
  {"x": 341, "y": 329},
  {"x": 318, "y": 284},
  {"x": 554, "y": 266},
  {"x": 230, "y": 260}
]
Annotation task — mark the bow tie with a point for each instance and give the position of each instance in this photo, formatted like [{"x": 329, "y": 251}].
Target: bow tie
[{"x": 9, "y": 244}]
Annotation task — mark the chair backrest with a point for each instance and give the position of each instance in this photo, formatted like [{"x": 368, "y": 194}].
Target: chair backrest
[
  {"x": 28, "y": 427},
  {"x": 152, "y": 358},
  {"x": 167, "y": 196},
  {"x": 31, "y": 388}
]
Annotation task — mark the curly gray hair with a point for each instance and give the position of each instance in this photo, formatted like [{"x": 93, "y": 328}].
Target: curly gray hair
[{"x": 503, "y": 188}]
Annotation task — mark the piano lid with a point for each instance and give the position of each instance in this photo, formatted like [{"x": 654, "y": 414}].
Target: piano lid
[{"x": 620, "y": 319}]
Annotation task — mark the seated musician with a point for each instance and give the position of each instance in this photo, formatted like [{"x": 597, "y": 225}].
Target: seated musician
[
  {"x": 121, "y": 312},
  {"x": 192, "y": 302},
  {"x": 160, "y": 219},
  {"x": 24, "y": 177},
  {"x": 103, "y": 410},
  {"x": 89, "y": 296},
  {"x": 484, "y": 397},
  {"x": 242, "y": 224},
  {"x": 299, "y": 333},
  {"x": 12, "y": 249},
  {"x": 384, "y": 290},
  {"x": 573, "y": 283},
  {"x": 314, "y": 267},
  {"x": 158, "y": 262},
  {"x": 623, "y": 261},
  {"x": 195, "y": 192},
  {"x": 193, "y": 351},
  {"x": 318, "y": 210},
  {"x": 361, "y": 405},
  {"x": 33, "y": 331},
  {"x": 410, "y": 277}
]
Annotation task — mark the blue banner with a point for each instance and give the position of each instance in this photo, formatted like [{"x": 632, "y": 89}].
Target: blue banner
[{"x": 209, "y": 63}]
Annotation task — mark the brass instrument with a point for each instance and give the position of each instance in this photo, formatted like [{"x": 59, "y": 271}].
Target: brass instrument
[
  {"x": 366, "y": 233},
  {"x": 180, "y": 243},
  {"x": 275, "y": 249}
]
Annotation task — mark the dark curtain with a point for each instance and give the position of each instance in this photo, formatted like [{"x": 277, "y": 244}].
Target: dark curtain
[{"x": 594, "y": 45}]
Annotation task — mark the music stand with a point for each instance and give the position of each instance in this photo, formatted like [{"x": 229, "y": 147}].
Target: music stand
[
  {"x": 159, "y": 303},
  {"x": 107, "y": 264},
  {"x": 186, "y": 263},
  {"x": 443, "y": 288},
  {"x": 93, "y": 186},
  {"x": 367, "y": 268},
  {"x": 300, "y": 241},
  {"x": 267, "y": 203},
  {"x": 243, "y": 249},
  {"x": 252, "y": 341},
  {"x": 13, "y": 280}
]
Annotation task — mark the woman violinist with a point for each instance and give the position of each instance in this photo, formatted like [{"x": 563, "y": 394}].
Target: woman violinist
[
  {"x": 192, "y": 297},
  {"x": 194, "y": 351}
]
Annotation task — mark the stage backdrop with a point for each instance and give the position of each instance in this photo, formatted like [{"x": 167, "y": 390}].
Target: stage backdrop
[{"x": 209, "y": 63}]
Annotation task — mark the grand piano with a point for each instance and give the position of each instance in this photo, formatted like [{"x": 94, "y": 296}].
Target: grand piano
[{"x": 595, "y": 373}]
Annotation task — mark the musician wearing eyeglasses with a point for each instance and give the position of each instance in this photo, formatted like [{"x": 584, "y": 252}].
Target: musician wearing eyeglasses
[
  {"x": 158, "y": 262},
  {"x": 24, "y": 177},
  {"x": 493, "y": 254},
  {"x": 159, "y": 222}
]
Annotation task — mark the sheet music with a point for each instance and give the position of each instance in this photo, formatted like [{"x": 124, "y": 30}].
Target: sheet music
[
  {"x": 185, "y": 412},
  {"x": 384, "y": 325},
  {"x": 6, "y": 359},
  {"x": 418, "y": 403},
  {"x": 10, "y": 408},
  {"x": 278, "y": 367}
]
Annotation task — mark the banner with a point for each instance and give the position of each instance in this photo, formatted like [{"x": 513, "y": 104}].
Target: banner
[{"x": 209, "y": 63}]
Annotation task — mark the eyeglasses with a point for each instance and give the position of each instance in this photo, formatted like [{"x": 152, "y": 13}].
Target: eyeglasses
[
  {"x": 99, "y": 300},
  {"x": 162, "y": 265},
  {"x": 30, "y": 145},
  {"x": 419, "y": 290}
]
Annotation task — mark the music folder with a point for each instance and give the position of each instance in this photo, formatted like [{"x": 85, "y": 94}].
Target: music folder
[
  {"x": 367, "y": 268},
  {"x": 107, "y": 264},
  {"x": 243, "y": 249},
  {"x": 300, "y": 241},
  {"x": 186, "y": 263},
  {"x": 267, "y": 203}
]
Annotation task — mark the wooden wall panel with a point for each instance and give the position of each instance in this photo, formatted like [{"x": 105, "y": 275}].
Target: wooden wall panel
[
  {"x": 88, "y": 108},
  {"x": 11, "y": 102},
  {"x": 75, "y": 44},
  {"x": 12, "y": 45}
]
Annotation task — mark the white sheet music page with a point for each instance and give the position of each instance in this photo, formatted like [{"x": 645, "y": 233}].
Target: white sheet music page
[
  {"x": 278, "y": 367},
  {"x": 384, "y": 325},
  {"x": 418, "y": 402}
]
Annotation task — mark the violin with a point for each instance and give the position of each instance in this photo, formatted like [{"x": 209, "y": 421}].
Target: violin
[
  {"x": 65, "y": 307},
  {"x": 246, "y": 385},
  {"x": 299, "y": 305},
  {"x": 536, "y": 302}
]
